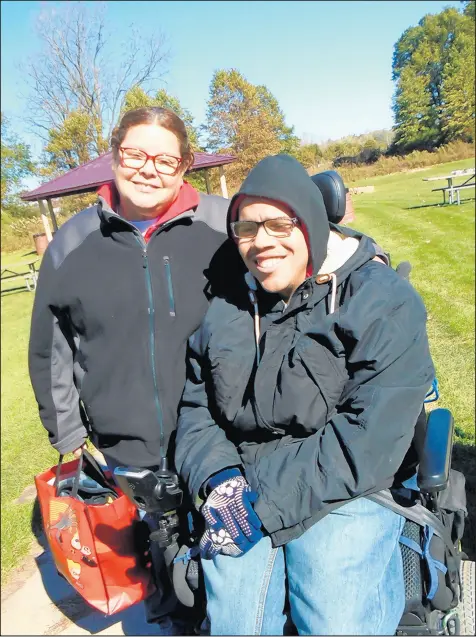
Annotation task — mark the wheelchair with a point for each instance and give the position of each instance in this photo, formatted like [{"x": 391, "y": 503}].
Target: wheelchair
[{"x": 440, "y": 582}]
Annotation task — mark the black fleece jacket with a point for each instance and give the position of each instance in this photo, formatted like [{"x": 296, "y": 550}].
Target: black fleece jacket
[{"x": 110, "y": 325}]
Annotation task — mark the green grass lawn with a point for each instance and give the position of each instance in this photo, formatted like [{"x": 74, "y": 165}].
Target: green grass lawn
[
  {"x": 405, "y": 218},
  {"x": 24, "y": 444},
  {"x": 402, "y": 215}
]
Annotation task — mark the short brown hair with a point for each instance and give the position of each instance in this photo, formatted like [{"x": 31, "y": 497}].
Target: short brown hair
[{"x": 153, "y": 115}]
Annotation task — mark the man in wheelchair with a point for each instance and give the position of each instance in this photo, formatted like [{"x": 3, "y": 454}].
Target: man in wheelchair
[{"x": 273, "y": 363}]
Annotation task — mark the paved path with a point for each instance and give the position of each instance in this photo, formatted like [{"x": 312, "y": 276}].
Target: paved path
[{"x": 37, "y": 601}]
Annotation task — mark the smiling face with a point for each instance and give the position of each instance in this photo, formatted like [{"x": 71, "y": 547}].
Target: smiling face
[
  {"x": 145, "y": 193},
  {"x": 279, "y": 264}
]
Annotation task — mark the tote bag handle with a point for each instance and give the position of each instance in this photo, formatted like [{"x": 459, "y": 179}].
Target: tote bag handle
[{"x": 74, "y": 491}]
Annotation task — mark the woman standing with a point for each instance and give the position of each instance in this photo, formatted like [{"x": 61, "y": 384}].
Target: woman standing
[{"x": 120, "y": 290}]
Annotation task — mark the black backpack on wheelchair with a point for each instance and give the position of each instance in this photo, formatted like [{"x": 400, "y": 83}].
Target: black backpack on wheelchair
[{"x": 439, "y": 582}]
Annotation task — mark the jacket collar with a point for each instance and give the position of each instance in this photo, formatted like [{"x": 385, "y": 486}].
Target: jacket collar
[{"x": 183, "y": 207}]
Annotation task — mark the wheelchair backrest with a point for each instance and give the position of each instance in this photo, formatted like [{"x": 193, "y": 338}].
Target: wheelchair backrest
[{"x": 333, "y": 192}]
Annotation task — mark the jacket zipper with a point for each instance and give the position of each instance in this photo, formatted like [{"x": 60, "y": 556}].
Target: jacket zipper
[
  {"x": 152, "y": 339},
  {"x": 254, "y": 403},
  {"x": 265, "y": 423},
  {"x": 168, "y": 274}
]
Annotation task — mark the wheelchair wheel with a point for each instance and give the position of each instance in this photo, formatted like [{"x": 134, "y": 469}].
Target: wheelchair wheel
[{"x": 467, "y": 606}]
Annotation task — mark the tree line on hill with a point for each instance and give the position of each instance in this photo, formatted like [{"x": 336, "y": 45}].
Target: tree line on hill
[{"x": 77, "y": 96}]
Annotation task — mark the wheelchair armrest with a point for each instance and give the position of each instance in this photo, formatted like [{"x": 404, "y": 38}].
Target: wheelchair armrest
[{"x": 435, "y": 454}]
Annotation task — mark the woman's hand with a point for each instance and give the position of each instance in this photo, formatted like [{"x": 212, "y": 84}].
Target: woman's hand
[
  {"x": 232, "y": 525},
  {"x": 77, "y": 452}
]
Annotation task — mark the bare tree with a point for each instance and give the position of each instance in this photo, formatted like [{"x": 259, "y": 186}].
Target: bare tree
[{"x": 77, "y": 73}]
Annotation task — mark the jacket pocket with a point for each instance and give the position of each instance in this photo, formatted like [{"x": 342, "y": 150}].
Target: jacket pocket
[
  {"x": 308, "y": 387},
  {"x": 229, "y": 381},
  {"x": 170, "y": 289}
]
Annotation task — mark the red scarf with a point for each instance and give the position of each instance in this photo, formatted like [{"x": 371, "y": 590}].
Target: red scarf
[{"x": 187, "y": 199}]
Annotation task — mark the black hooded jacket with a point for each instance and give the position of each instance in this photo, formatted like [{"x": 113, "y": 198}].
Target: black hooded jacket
[{"x": 329, "y": 412}]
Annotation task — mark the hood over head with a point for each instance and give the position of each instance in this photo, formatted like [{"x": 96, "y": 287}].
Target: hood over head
[{"x": 282, "y": 178}]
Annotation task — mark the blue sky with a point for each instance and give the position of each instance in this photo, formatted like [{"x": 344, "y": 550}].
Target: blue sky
[{"x": 327, "y": 63}]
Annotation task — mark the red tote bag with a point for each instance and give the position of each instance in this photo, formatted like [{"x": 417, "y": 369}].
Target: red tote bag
[{"x": 94, "y": 545}]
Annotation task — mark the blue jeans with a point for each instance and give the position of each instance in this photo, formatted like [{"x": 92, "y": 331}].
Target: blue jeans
[{"x": 344, "y": 574}]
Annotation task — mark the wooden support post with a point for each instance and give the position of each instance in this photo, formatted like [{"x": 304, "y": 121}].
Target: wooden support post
[
  {"x": 207, "y": 181},
  {"x": 44, "y": 218},
  {"x": 224, "y": 190},
  {"x": 52, "y": 215}
]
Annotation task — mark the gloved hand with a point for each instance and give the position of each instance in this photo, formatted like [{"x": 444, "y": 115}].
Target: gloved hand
[
  {"x": 232, "y": 525},
  {"x": 218, "y": 543}
]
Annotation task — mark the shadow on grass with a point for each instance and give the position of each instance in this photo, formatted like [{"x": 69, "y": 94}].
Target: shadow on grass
[
  {"x": 73, "y": 606},
  {"x": 17, "y": 290},
  {"x": 464, "y": 460},
  {"x": 438, "y": 205}
]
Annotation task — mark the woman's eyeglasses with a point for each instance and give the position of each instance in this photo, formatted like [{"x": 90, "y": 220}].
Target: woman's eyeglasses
[
  {"x": 280, "y": 227},
  {"x": 137, "y": 159}
]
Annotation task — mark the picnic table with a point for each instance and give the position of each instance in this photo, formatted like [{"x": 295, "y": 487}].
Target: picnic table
[
  {"x": 22, "y": 269},
  {"x": 453, "y": 188}
]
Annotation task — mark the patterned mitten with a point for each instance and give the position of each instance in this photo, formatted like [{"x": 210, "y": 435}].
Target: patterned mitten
[
  {"x": 218, "y": 543},
  {"x": 233, "y": 526}
]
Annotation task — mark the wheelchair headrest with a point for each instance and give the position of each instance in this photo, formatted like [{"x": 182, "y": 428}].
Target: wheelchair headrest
[{"x": 333, "y": 192}]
